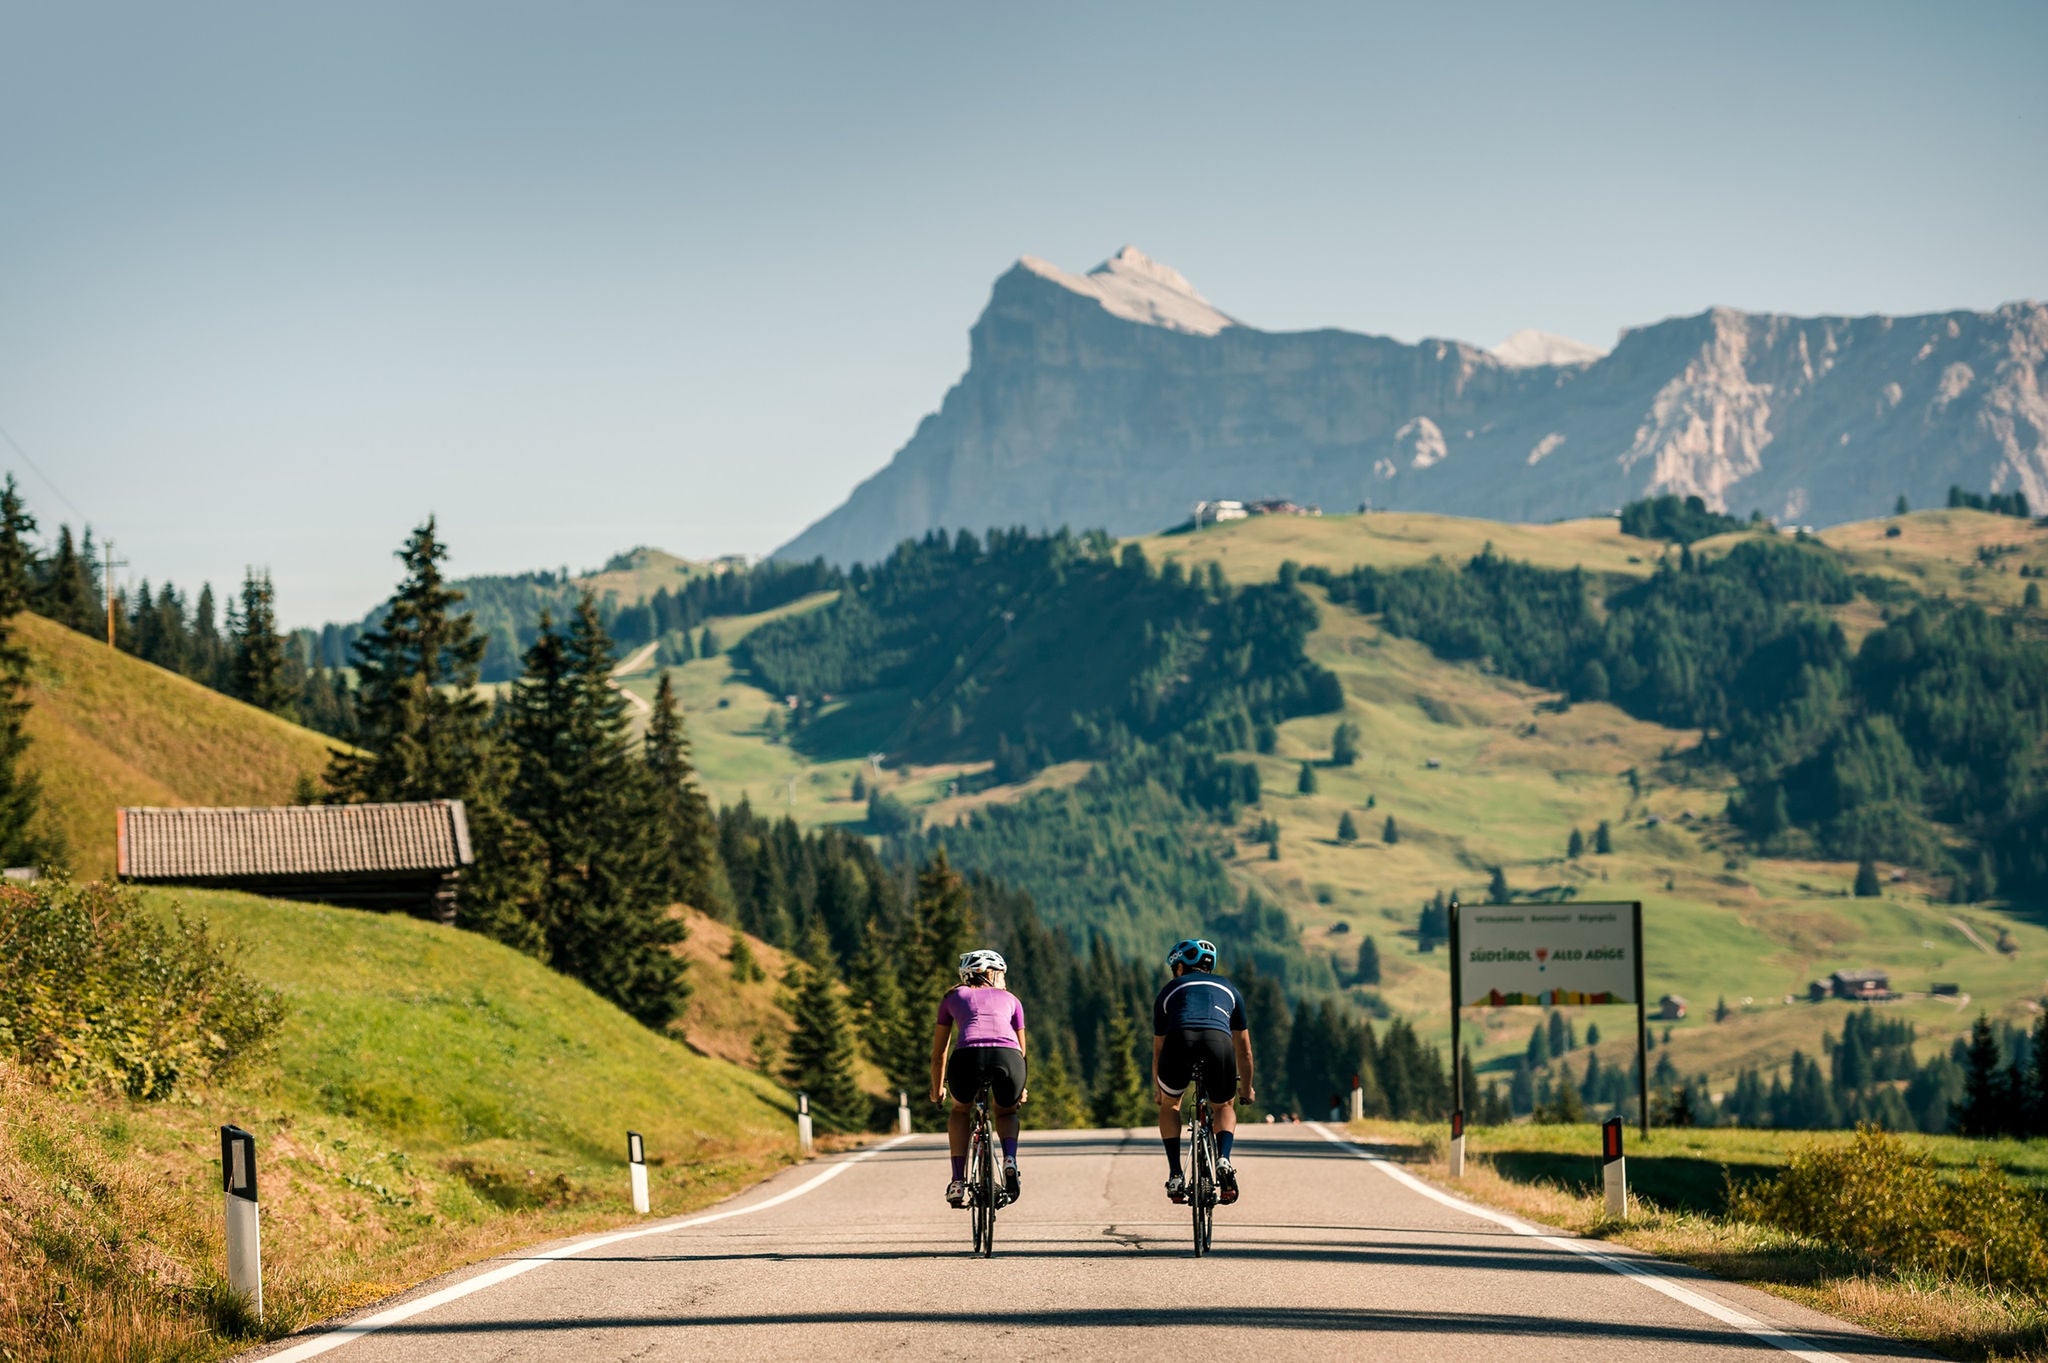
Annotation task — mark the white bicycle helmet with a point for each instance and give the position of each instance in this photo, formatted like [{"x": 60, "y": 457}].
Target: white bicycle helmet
[{"x": 980, "y": 963}]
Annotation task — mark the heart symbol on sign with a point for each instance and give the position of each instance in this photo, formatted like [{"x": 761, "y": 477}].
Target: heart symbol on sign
[{"x": 1541, "y": 953}]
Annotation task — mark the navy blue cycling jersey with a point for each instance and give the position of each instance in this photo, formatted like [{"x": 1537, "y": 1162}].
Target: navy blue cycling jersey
[{"x": 1198, "y": 1001}]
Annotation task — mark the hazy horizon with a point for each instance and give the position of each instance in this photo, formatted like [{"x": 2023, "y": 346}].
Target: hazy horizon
[{"x": 274, "y": 285}]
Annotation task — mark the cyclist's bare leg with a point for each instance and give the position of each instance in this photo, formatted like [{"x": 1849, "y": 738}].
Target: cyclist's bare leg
[
  {"x": 1169, "y": 1113},
  {"x": 959, "y": 1123},
  {"x": 1007, "y": 1123},
  {"x": 1224, "y": 1115}
]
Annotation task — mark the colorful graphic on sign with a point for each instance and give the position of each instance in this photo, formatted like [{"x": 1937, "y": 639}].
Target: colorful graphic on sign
[{"x": 1546, "y": 954}]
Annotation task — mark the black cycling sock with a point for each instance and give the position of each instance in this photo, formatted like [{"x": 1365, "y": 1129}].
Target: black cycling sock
[
  {"x": 1172, "y": 1144},
  {"x": 1224, "y": 1140}
]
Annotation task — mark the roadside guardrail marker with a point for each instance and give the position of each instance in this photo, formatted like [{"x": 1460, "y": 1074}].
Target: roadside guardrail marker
[
  {"x": 636, "y": 1163},
  {"x": 803, "y": 1121},
  {"x": 1458, "y": 1142},
  {"x": 1614, "y": 1169},
  {"x": 244, "y": 1228}
]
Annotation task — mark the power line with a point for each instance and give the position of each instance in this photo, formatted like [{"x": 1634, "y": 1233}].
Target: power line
[{"x": 48, "y": 481}]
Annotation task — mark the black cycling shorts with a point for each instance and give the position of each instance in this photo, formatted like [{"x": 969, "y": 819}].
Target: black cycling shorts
[
  {"x": 1000, "y": 1067},
  {"x": 1180, "y": 1049}
]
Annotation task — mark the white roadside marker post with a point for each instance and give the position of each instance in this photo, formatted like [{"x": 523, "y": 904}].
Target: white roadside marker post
[
  {"x": 244, "y": 1230},
  {"x": 1614, "y": 1169},
  {"x": 1458, "y": 1142},
  {"x": 902, "y": 1113},
  {"x": 636, "y": 1162},
  {"x": 1357, "y": 1100},
  {"x": 803, "y": 1122}
]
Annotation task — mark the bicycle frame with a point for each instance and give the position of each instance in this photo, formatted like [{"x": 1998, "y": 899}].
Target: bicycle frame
[
  {"x": 1202, "y": 1188},
  {"x": 984, "y": 1193}
]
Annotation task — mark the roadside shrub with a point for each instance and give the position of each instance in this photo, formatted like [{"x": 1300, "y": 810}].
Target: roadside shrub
[
  {"x": 1876, "y": 1196},
  {"x": 97, "y": 994}
]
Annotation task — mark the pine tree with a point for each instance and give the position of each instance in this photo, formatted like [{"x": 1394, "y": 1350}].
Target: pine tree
[
  {"x": 209, "y": 653},
  {"x": 820, "y": 1060},
  {"x": 1560, "y": 1035},
  {"x": 707, "y": 644},
  {"x": 943, "y": 926},
  {"x": 20, "y": 792},
  {"x": 1347, "y": 828},
  {"x": 1721, "y": 1009},
  {"x": 587, "y": 798},
  {"x": 1390, "y": 834},
  {"x": 1056, "y": 1103},
  {"x": 70, "y": 592},
  {"x": 261, "y": 672},
  {"x": 1497, "y": 891},
  {"x": 1867, "y": 884},
  {"x": 1305, "y": 783},
  {"x": 1121, "y": 1099},
  {"x": 1985, "y": 1110},
  {"x": 1901, "y": 507},
  {"x": 687, "y": 830},
  {"x": 1344, "y": 745},
  {"x": 746, "y": 967},
  {"x": 1575, "y": 846},
  {"x": 1603, "y": 839},
  {"x": 426, "y": 734},
  {"x": 1368, "y": 972},
  {"x": 1537, "y": 1052}
]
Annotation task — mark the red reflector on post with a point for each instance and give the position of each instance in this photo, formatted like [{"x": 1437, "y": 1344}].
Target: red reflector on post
[
  {"x": 1457, "y": 1122},
  {"x": 1610, "y": 1140}
]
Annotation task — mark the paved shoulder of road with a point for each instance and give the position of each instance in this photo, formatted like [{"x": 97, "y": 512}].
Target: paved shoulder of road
[{"x": 1331, "y": 1253}]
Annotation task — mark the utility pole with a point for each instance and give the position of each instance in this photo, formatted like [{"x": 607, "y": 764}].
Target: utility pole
[{"x": 107, "y": 587}]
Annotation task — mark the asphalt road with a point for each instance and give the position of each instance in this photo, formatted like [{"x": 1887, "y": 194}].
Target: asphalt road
[{"x": 1328, "y": 1255}]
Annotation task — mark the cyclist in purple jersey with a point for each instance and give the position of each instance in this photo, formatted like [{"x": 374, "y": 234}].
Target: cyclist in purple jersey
[{"x": 989, "y": 1049}]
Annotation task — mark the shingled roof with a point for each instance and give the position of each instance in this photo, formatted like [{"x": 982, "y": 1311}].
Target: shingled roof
[{"x": 293, "y": 840}]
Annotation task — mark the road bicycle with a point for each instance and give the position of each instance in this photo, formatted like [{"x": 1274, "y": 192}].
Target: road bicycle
[
  {"x": 985, "y": 1191},
  {"x": 1202, "y": 1183}
]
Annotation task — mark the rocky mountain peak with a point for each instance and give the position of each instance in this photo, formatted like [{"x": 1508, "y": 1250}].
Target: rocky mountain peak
[
  {"x": 1528, "y": 348},
  {"x": 1137, "y": 288}
]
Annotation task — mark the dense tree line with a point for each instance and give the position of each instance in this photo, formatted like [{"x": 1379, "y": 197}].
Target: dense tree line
[
  {"x": 1935, "y": 719},
  {"x": 975, "y": 642},
  {"x": 1998, "y": 503},
  {"x": 508, "y": 609},
  {"x": 1674, "y": 519}
]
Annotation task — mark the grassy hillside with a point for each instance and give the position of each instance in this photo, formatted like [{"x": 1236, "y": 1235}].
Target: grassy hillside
[
  {"x": 1512, "y": 776},
  {"x": 109, "y": 730},
  {"x": 433, "y": 1098}
]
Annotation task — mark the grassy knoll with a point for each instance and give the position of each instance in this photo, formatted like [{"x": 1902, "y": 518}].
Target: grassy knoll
[
  {"x": 1253, "y": 550},
  {"x": 1680, "y": 1183},
  {"x": 106, "y": 730},
  {"x": 433, "y": 1098}
]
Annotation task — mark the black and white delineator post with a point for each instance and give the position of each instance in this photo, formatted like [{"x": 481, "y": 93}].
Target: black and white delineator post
[
  {"x": 1457, "y": 1142},
  {"x": 245, "y": 1232},
  {"x": 1614, "y": 1169},
  {"x": 902, "y": 1113},
  {"x": 1357, "y": 1100},
  {"x": 636, "y": 1163},
  {"x": 803, "y": 1121}
]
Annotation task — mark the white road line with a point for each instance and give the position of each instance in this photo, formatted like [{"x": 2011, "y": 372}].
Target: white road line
[
  {"x": 334, "y": 1339},
  {"x": 1628, "y": 1268}
]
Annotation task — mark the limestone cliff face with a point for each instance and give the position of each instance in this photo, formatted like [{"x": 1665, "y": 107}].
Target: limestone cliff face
[{"x": 1119, "y": 398}]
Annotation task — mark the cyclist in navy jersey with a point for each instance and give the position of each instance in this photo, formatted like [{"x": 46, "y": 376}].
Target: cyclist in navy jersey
[{"x": 1200, "y": 1016}]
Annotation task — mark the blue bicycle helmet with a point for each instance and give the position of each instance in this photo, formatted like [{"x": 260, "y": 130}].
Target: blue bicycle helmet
[{"x": 1195, "y": 952}]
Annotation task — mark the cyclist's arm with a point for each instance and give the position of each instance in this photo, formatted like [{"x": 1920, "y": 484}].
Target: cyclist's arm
[
  {"x": 1158, "y": 1042},
  {"x": 1242, "y": 1041},
  {"x": 940, "y": 1034},
  {"x": 1020, "y": 1041}
]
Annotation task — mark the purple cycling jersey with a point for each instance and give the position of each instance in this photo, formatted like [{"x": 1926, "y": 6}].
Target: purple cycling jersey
[{"x": 986, "y": 1016}]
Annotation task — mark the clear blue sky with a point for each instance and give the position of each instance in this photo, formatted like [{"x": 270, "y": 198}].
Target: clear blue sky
[{"x": 277, "y": 280}]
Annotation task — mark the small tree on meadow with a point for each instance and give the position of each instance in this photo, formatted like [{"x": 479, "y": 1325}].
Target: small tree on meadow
[
  {"x": 1368, "y": 972},
  {"x": 1575, "y": 845},
  {"x": 1603, "y": 839},
  {"x": 1344, "y": 745},
  {"x": 1497, "y": 890},
  {"x": 1347, "y": 828},
  {"x": 1306, "y": 782},
  {"x": 1867, "y": 884},
  {"x": 1390, "y": 834}
]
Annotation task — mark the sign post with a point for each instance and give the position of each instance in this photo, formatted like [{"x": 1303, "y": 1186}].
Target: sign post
[
  {"x": 1551, "y": 956},
  {"x": 1614, "y": 1169},
  {"x": 803, "y": 1122},
  {"x": 636, "y": 1163},
  {"x": 244, "y": 1227}
]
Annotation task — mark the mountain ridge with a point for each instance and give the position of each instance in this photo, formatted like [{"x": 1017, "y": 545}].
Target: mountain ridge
[{"x": 1086, "y": 410}]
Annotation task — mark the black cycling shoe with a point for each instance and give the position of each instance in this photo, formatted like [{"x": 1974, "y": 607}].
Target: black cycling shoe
[
  {"x": 1226, "y": 1182},
  {"x": 1012, "y": 1189}
]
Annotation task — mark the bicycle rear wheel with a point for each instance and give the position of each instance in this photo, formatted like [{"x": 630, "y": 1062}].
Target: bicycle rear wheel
[
  {"x": 1202, "y": 1167},
  {"x": 983, "y": 1189},
  {"x": 1211, "y": 1190}
]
